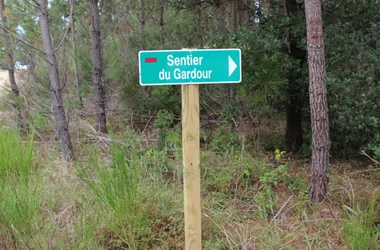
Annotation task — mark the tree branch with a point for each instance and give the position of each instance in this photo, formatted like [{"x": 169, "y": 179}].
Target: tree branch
[
  {"x": 29, "y": 45},
  {"x": 373, "y": 160},
  {"x": 35, "y": 5},
  {"x": 63, "y": 38},
  {"x": 18, "y": 39}
]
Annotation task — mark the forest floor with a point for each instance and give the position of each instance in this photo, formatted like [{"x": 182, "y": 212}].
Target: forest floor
[{"x": 125, "y": 191}]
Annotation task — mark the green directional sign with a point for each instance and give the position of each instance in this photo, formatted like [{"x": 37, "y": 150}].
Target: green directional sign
[{"x": 203, "y": 66}]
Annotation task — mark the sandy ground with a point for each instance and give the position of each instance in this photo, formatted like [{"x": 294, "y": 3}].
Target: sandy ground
[{"x": 4, "y": 83}]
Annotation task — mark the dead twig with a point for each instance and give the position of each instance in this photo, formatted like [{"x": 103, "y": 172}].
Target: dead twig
[
  {"x": 283, "y": 206},
  {"x": 317, "y": 220},
  {"x": 373, "y": 160},
  {"x": 100, "y": 138},
  {"x": 350, "y": 209}
]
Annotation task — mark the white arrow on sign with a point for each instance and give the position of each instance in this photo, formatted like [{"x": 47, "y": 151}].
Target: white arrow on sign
[{"x": 231, "y": 66}]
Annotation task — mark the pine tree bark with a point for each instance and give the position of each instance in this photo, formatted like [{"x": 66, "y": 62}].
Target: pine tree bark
[
  {"x": 318, "y": 101},
  {"x": 62, "y": 128},
  {"x": 293, "y": 136},
  {"x": 235, "y": 18},
  {"x": 142, "y": 24},
  {"x": 73, "y": 43},
  {"x": 98, "y": 87},
  {"x": 232, "y": 88},
  {"x": 162, "y": 27},
  {"x": 21, "y": 121}
]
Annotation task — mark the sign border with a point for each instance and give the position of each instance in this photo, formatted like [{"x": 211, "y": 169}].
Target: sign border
[{"x": 187, "y": 83}]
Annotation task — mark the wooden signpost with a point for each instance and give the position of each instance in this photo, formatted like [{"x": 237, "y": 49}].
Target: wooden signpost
[
  {"x": 190, "y": 68},
  {"x": 191, "y": 166}
]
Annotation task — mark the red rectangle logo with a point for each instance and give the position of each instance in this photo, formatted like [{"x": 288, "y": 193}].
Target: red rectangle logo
[{"x": 151, "y": 60}]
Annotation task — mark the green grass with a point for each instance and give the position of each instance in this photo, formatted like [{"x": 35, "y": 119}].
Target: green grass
[
  {"x": 361, "y": 230},
  {"x": 115, "y": 186},
  {"x": 130, "y": 196},
  {"x": 21, "y": 195},
  {"x": 15, "y": 155}
]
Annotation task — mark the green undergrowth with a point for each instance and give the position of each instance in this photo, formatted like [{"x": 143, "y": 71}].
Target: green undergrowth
[
  {"x": 16, "y": 155},
  {"x": 21, "y": 195},
  {"x": 361, "y": 228},
  {"x": 127, "y": 194}
]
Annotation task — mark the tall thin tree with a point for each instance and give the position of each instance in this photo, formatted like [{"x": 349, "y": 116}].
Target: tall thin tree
[
  {"x": 318, "y": 101},
  {"x": 142, "y": 20},
  {"x": 74, "y": 47},
  {"x": 162, "y": 26},
  {"x": 62, "y": 128},
  {"x": 22, "y": 121},
  {"x": 293, "y": 136},
  {"x": 97, "y": 83}
]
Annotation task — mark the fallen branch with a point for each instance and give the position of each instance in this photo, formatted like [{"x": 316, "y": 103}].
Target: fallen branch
[
  {"x": 283, "y": 206},
  {"x": 365, "y": 154},
  {"x": 96, "y": 135},
  {"x": 317, "y": 220}
]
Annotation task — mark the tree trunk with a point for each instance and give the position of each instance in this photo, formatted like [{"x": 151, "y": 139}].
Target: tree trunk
[
  {"x": 142, "y": 19},
  {"x": 293, "y": 136},
  {"x": 73, "y": 41},
  {"x": 99, "y": 93},
  {"x": 235, "y": 17},
  {"x": 58, "y": 110},
  {"x": 162, "y": 27},
  {"x": 142, "y": 24},
  {"x": 318, "y": 101},
  {"x": 21, "y": 121},
  {"x": 232, "y": 88}
]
